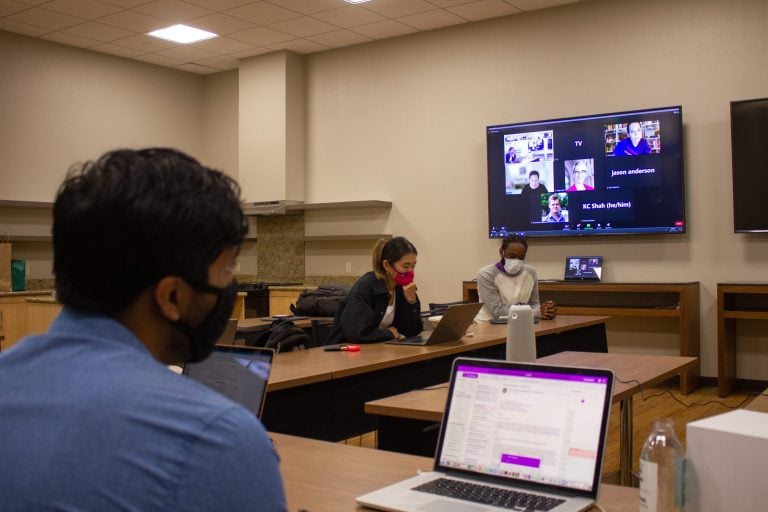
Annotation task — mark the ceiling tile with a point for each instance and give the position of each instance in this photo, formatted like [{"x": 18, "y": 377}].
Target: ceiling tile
[
  {"x": 71, "y": 39},
  {"x": 221, "y": 62},
  {"x": 113, "y": 49},
  {"x": 484, "y": 9},
  {"x": 144, "y": 43},
  {"x": 533, "y": 5},
  {"x": 300, "y": 46},
  {"x": 220, "y": 23},
  {"x": 261, "y": 36},
  {"x": 161, "y": 60},
  {"x": 127, "y": 4},
  {"x": 187, "y": 53},
  {"x": 98, "y": 31},
  {"x": 222, "y": 45},
  {"x": 450, "y": 3},
  {"x": 88, "y": 9},
  {"x": 45, "y": 18},
  {"x": 340, "y": 38},
  {"x": 349, "y": 16},
  {"x": 431, "y": 20},
  {"x": 262, "y": 13},
  {"x": 21, "y": 28},
  {"x": 308, "y": 6},
  {"x": 397, "y": 8},
  {"x": 384, "y": 29},
  {"x": 219, "y": 5},
  {"x": 134, "y": 21},
  {"x": 9, "y": 7},
  {"x": 250, "y": 53},
  {"x": 172, "y": 10},
  {"x": 304, "y": 26},
  {"x": 33, "y": 2},
  {"x": 196, "y": 68}
]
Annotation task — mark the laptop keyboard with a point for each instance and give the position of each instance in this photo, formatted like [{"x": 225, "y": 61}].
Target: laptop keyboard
[{"x": 513, "y": 500}]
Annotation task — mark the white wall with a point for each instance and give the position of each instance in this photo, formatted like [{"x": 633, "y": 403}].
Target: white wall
[{"x": 404, "y": 120}]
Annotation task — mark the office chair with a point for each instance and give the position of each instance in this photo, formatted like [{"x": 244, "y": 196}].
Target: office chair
[
  {"x": 437, "y": 308},
  {"x": 321, "y": 329}
]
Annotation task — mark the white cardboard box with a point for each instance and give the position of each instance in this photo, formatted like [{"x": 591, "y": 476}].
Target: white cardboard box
[{"x": 727, "y": 459}]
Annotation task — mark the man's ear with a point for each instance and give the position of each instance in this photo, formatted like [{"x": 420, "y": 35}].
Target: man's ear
[{"x": 168, "y": 294}]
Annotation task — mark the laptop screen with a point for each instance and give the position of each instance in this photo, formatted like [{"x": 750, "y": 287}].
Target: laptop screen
[
  {"x": 583, "y": 268},
  {"x": 239, "y": 373},
  {"x": 525, "y": 422}
]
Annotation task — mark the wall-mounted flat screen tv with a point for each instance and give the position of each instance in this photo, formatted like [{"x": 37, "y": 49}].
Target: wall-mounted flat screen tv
[
  {"x": 749, "y": 153},
  {"x": 604, "y": 174}
]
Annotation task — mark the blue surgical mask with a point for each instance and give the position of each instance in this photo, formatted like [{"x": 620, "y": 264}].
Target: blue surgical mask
[{"x": 513, "y": 266}]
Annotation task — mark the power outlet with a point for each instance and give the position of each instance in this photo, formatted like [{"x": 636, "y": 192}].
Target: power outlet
[{"x": 348, "y": 267}]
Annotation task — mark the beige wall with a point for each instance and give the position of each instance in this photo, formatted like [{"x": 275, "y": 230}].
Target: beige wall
[
  {"x": 404, "y": 119},
  {"x": 219, "y": 122},
  {"x": 61, "y": 105}
]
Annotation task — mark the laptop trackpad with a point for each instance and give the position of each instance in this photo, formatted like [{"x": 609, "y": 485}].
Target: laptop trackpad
[{"x": 452, "y": 506}]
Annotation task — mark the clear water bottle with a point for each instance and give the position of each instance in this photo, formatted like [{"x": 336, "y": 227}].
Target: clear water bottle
[{"x": 662, "y": 470}]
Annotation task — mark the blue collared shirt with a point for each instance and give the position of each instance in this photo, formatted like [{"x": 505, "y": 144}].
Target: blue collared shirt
[{"x": 90, "y": 421}]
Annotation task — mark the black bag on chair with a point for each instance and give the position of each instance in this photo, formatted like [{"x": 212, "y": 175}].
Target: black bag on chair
[
  {"x": 320, "y": 302},
  {"x": 286, "y": 337}
]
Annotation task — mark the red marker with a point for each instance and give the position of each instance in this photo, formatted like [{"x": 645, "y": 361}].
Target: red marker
[{"x": 346, "y": 347}]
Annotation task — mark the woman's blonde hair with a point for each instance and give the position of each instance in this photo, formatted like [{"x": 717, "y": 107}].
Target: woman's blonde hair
[{"x": 389, "y": 250}]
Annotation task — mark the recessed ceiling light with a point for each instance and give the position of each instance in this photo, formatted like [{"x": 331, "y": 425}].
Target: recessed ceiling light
[
  {"x": 356, "y": 1},
  {"x": 183, "y": 34}
]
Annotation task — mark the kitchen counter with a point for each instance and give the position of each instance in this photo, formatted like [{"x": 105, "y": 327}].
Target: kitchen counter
[
  {"x": 293, "y": 288},
  {"x": 26, "y": 293},
  {"x": 47, "y": 299}
]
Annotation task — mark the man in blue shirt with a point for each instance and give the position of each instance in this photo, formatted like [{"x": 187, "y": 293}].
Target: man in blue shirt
[{"x": 90, "y": 416}]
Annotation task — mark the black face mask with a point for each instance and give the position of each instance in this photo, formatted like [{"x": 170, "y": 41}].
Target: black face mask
[{"x": 202, "y": 338}]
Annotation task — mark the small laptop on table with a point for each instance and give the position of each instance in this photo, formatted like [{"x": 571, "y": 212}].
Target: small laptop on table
[
  {"x": 239, "y": 373},
  {"x": 452, "y": 326},
  {"x": 583, "y": 268},
  {"x": 514, "y": 436}
]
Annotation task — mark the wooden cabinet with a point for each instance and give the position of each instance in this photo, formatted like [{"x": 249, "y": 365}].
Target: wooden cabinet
[
  {"x": 652, "y": 300},
  {"x": 280, "y": 300},
  {"x": 40, "y": 314},
  {"x": 13, "y": 320},
  {"x": 735, "y": 301}
]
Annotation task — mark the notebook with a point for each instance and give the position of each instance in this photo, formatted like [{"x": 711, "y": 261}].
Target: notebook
[
  {"x": 239, "y": 373},
  {"x": 451, "y": 327},
  {"x": 583, "y": 268},
  {"x": 516, "y": 428}
]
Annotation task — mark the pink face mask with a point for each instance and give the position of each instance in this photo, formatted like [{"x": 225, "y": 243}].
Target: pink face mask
[{"x": 404, "y": 278}]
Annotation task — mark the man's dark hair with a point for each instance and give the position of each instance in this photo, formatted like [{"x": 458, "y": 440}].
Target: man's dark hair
[
  {"x": 534, "y": 172},
  {"x": 513, "y": 239},
  {"x": 123, "y": 222}
]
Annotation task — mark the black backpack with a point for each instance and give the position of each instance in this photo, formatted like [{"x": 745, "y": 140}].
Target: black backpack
[
  {"x": 324, "y": 301},
  {"x": 283, "y": 336}
]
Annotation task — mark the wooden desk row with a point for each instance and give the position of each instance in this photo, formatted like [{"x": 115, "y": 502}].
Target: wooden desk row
[
  {"x": 633, "y": 373},
  {"x": 326, "y": 477},
  {"x": 321, "y": 394},
  {"x": 652, "y": 300}
]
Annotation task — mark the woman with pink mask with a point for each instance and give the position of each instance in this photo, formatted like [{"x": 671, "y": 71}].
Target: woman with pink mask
[
  {"x": 634, "y": 143},
  {"x": 382, "y": 304}
]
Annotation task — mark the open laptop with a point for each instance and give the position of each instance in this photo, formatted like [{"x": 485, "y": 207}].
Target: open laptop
[
  {"x": 451, "y": 327},
  {"x": 516, "y": 428},
  {"x": 239, "y": 373},
  {"x": 583, "y": 268}
]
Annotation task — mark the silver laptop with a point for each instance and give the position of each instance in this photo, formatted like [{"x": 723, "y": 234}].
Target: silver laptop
[
  {"x": 239, "y": 373},
  {"x": 451, "y": 327},
  {"x": 512, "y": 433}
]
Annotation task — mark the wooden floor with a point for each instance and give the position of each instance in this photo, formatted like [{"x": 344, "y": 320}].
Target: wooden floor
[{"x": 654, "y": 403}]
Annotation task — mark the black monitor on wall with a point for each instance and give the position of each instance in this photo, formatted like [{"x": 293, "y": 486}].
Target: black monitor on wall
[
  {"x": 749, "y": 152},
  {"x": 602, "y": 174}
]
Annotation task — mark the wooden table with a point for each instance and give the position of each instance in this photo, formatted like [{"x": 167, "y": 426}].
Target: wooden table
[
  {"x": 321, "y": 394},
  {"x": 326, "y": 477},
  {"x": 633, "y": 373},
  {"x": 760, "y": 403},
  {"x": 735, "y": 301},
  {"x": 649, "y": 300}
]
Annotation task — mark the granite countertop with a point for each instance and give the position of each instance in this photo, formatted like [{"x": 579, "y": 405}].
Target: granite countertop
[
  {"x": 26, "y": 293},
  {"x": 293, "y": 288},
  {"x": 48, "y": 299}
]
